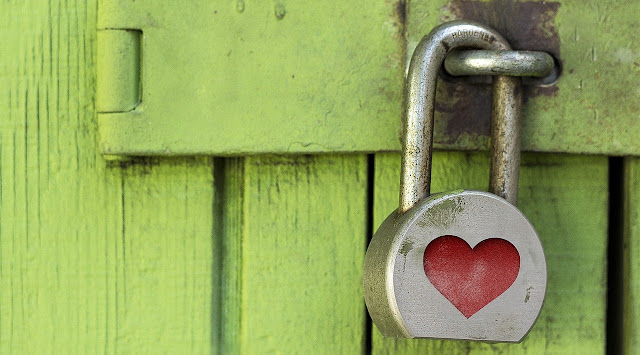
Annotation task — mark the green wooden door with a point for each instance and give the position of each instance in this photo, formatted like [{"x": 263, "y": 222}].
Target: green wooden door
[{"x": 251, "y": 254}]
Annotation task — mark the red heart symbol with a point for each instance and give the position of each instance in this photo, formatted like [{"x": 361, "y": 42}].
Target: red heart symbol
[{"x": 471, "y": 278}]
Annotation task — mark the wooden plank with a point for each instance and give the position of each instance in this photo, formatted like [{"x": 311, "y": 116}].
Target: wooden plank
[
  {"x": 302, "y": 248},
  {"x": 238, "y": 77},
  {"x": 230, "y": 181},
  {"x": 565, "y": 197},
  {"x": 60, "y": 205},
  {"x": 90, "y": 260},
  {"x": 165, "y": 265},
  {"x": 632, "y": 257}
]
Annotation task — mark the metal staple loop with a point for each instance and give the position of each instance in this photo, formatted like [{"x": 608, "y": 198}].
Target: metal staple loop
[{"x": 500, "y": 62}]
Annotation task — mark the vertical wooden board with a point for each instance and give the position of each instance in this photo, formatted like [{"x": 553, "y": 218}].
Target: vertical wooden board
[
  {"x": 632, "y": 257},
  {"x": 565, "y": 198},
  {"x": 74, "y": 277},
  {"x": 165, "y": 269},
  {"x": 302, "y": 249},
  {"x": 59, "y": 203},
  {"x": 230, "y": 182}
]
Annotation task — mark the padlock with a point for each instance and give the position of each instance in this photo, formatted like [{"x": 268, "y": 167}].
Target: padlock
[{"x": 463, "y": 264}]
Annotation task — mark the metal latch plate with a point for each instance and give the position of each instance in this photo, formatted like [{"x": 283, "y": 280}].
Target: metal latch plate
[{"x": 213, "y": 77}]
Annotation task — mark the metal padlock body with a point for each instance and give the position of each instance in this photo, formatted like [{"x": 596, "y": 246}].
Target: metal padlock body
[
  {"x": 402, "y": 301},
  {"x": 465, "y": 264}
]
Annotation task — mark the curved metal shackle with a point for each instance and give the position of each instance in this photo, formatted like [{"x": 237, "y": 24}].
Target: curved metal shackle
[{"x": 419, "y": 96}]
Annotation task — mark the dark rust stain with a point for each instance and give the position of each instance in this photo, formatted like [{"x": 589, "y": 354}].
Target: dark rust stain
[
  {"x": 446, "y": 45},
  {"x": 526, "y": 25},
  {"x": 467, "y": 109},
  {"x": 401, "y": 11},
  {"x": 398, "y": 15},
  {"x": 540, "y": 91}
]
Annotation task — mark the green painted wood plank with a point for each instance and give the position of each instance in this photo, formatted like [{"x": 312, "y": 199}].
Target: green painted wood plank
[
  {"x": 93, "y": 258},
  {"x": 60, "y": 211},
  {"x": 302, "y": 248},
  {"x": 166, "y": 272},
  {"x": 565, "y": 197},
  {"x": 632, "y": 257},
  {"x": 230, "y": 182}
]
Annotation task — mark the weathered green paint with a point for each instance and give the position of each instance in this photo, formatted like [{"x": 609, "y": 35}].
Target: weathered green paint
[
  {"x": 182, "y": 255},
  {"x": 233, "y": 77},
  {"x": 565, "y": 198},
  {"x": 299, "y": 255},
  {"x": 230, "y": 212},
  {"x": 166, "y": 260},
  {"x": 93, "y": 257},
  {"x": 242, "y": 77},
  {"x": 118, "y": 86},
  {"x": 593, "y": 107},
  {"x": 632, "y": 257}
]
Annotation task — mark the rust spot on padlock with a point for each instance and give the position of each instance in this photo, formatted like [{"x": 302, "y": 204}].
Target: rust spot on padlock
[{"x": 526, "y": 25}]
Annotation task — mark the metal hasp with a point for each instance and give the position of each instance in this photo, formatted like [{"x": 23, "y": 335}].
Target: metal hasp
[
  {"x": 209, "y": 78},
  {"x": 203, "y": 77},
  {"x": 463, "y": 264}
]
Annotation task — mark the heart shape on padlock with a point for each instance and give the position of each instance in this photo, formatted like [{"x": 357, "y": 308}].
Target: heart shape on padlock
[{"x": 471, "y": 278}]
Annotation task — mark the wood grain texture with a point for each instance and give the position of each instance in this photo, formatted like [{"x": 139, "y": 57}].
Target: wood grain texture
[
  {"x": 159, "y": 256},
  {"x": 301, "y": 250},
  {"x": 230, "y": 182},
  {"x": 165, "y": 265},
  {"x": 565, "y": 198},
  {"x": 632, "y": 257},
  {"x": 93, "y": 257}
]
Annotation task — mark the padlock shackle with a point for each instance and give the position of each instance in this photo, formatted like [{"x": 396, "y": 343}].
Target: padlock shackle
[{"x": 418, "y": 113}]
